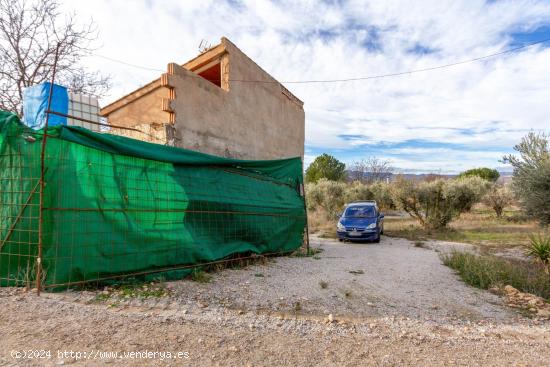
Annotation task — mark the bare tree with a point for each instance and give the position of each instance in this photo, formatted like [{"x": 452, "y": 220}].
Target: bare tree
[
  {"x": 370, "y": 170},
  {"x": 29, "y": 34}
]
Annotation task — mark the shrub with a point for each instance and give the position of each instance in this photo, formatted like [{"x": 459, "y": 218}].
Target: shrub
[
  {"x": 423, "y": 201},
  {"x": 531, "y": 181},
  {"x": 357, "y": 191},
  {"x": 539, "y": 249},
  {"x": 381, "y": 192},
  {"x": 485, "y": 173},
  {"x": 313, "y": 196},
  {"x": 405, "y": 197},
  {"x": 328, "y": 195},
  {"x": 200, "y": 276},
  {"x": 497, "y": 198},
  {"x": 435, "y": 203},
  {"x": 491, "y": 271},
  {"x": 466, "y": 191}
]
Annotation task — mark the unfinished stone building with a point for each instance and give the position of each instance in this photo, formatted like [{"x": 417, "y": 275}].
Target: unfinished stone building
[{"x": 221, "y": 102}]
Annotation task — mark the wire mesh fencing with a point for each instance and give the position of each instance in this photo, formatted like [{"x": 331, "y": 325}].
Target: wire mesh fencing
[
  {"x": 114, "y": 207},
  {"x": 19, "y": 209}
]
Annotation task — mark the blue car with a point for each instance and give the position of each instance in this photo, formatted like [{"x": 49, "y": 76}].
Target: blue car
[{"x": 361, "y": 221}]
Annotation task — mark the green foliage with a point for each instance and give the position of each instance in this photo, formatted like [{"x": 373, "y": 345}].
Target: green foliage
[
  {"x": 312, "y": 252},
  {"x": 539, "y": 248},
  {"x": 381, "y": 192},
  {"x": 357, "y": 191},
  {"x": 466, "y": 191},
  {"x": 491, "y": 271},
  {"x": 328, "y": 195},
  {"x": 531, "y": 182},
  {"x": 133, "y": 289},
  {"x": 419, "y": 244},
  {"x": 435, "y": 203},
  {"x": 326, "y": 166},
  {"x": 424, "y": 201},
  {"x": 497, "y": 198},
  {"x": 200, "y": 276},
  {"x": 485, "y": 173}
]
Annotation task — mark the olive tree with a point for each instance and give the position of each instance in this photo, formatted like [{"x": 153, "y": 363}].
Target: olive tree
[
  {"x": 467, "y": 191},
  {"x": 497, "y": 198},
  {"x": 357, "y": 191},
  {"x": 531, "y": 177},
  {"x": 433, "y": 203},
  {"x": 327, "y": 195},
  {"x": 381, "y": 192}
]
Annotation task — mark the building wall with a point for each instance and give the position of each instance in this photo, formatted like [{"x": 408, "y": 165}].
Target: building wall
[
  {"x": 146, "y": 109},
  {"x": 247, "y": 121},
  {"x": 153, "y": 133}
]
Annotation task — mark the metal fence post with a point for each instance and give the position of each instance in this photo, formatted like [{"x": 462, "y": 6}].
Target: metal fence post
[
  {"x": 42, "y": 183},
  {"x": 307, "y": 222}
]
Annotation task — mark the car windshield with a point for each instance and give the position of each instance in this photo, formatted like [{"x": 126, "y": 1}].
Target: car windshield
[{"x": 360, "y": 212}]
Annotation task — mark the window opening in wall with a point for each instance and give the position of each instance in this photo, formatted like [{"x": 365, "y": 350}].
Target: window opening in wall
[{"x": 213, "y": 74}]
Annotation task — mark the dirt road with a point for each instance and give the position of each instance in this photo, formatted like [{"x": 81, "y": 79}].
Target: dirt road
[{"x": 390, "y": 304}]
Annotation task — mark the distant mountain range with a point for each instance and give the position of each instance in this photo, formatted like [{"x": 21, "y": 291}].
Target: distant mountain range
[{"x": 505, "y": 176}]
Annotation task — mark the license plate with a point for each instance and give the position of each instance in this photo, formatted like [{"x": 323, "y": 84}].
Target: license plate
[{"x": 355, "y": 233}]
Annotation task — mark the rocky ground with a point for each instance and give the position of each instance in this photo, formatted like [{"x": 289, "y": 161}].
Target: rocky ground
[{"x": 351, "y": 305}]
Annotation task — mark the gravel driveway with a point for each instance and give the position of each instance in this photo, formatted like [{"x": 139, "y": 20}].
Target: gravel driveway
[
  {"x": 390, "y": 304},
  {"x": 393, "y": 278}
]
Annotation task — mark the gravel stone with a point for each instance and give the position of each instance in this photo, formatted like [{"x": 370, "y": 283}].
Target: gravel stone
[{"x": 407, "y": 308}]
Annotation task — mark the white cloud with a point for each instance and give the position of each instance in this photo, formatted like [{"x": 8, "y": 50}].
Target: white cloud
[{"x": 496, "y": 100}]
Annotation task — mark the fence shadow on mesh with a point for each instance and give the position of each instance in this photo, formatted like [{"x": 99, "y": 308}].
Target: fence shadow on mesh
[{"x": 112, "y": 209}]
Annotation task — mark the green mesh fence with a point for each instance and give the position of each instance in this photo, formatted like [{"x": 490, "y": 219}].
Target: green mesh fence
[{"x": 116, "y": 207}]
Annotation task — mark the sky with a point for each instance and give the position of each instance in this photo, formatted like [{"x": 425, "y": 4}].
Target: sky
[{"x": 441, "y": 121}]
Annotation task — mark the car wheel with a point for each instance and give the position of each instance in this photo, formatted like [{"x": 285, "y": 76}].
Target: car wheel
[{"x": 341, "y": 240}]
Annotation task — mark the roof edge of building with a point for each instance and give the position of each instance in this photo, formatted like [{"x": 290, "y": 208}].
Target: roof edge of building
[{"x": 191, "y": 65}]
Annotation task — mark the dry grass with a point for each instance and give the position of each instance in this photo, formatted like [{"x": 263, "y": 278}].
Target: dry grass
[
  {"x": 479, "y": 227},
  {"x": 491, "y": 271},
  {"x": 319, "y": 224}
]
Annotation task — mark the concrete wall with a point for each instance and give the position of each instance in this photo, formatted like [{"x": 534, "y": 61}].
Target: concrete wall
[
  {"x": 249, "y": 121},
  {"x": 241, "y": 120},
  {"x": 145, "y": 109},
  {"x": 153, "y": 133}
]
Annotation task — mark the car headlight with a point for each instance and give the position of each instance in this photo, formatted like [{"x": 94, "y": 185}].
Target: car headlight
[
  {"x": 340, "y": 227},
  {"x": 371, "y": 226}
]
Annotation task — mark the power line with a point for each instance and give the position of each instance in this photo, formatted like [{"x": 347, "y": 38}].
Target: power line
[
  {"x": 355, "y": 78},
  {"x": 424, "y": 69},
  {"x": 126, "y": 63}
]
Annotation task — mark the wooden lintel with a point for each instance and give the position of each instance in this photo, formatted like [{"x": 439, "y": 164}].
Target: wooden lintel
[
  {"x": 208, "y": 65},
  {"x": 205, "y": 58}
]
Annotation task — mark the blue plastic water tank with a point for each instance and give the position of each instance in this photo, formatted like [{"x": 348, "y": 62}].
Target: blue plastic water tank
[{"x": 35, "y": 105}]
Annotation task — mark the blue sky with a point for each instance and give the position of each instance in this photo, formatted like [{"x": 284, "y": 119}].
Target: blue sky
[{"x": 439, "y": 121}]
